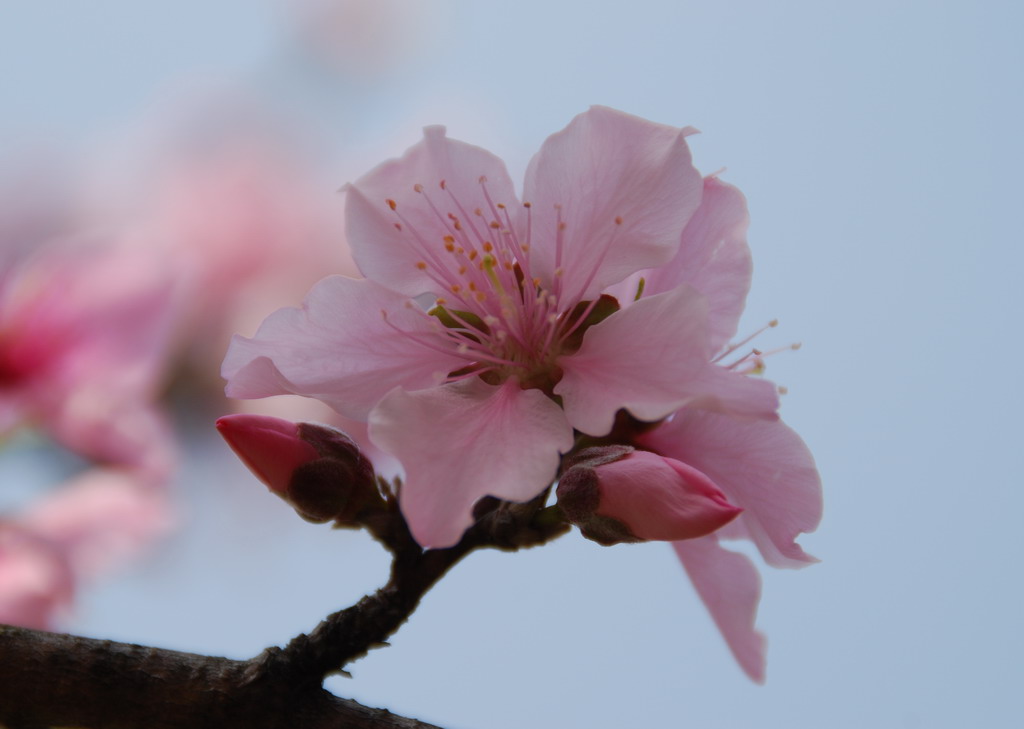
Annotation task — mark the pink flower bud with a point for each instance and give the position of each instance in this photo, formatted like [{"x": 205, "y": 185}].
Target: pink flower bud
[
  {"x": 269, "y": 447},
  {"x": 317, "y": 469},
  {"x": 638, "y": 495}
]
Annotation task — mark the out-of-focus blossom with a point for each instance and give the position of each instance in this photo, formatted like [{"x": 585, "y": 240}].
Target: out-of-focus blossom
[
  {"x": 84, "y": 333},
  {"x": 617, "y": 494},
  {"x": 480, "y": 394},
  {"x": 366, "y": 39},
  {"x": 246, "y": 227},
  {"x": 36, "y": 579},
  {"x": 81, "y": 320},
  {"x": 102, "y": 518}
]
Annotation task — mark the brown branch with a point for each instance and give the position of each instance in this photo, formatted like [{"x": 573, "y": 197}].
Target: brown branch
[{"x": 49, "y": 679}]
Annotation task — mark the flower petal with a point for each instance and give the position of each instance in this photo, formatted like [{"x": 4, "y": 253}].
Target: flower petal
[
  {"x": 763, "y": 467},
  {"x": 724, "y": 391},
  {"x": 607, "y": 165},
  {"x": 466, "y": 440},
  {"x": 730, "y": 587},
  {"x": 641, "y": 358},
  {"x": 713, "y": 258},
  {"x": 390, "y": 256},
  {"x": 339, "y": 348}
]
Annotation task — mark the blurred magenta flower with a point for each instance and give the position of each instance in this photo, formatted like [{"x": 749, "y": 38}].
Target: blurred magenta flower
[
  {"x": 83, "y": 337},
  {"x": 482, "y": 393}
]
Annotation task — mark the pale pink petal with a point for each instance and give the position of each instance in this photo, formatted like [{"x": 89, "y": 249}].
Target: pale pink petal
[
  {"x": 340, "y": 349},
  {"x": 391, "y": 256},
  {"x": 714, "y": 258},
  {"x": 762, "y": 466},
  {"x": 466, "y": 440},
  {"x": 642, "y": 358},
  {"x": 730, "y": 587},
  {"x": 724, "y": 391},
  {"x": 607, "y": 165}
]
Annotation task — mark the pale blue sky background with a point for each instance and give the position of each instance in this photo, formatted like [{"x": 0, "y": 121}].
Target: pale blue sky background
[{"x": 879, "y": 145}]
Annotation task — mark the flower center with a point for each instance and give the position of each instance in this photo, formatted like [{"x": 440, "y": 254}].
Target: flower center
[{"x": 491, "y": 303}]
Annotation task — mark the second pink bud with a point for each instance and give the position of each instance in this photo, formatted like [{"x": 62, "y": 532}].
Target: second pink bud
[{"x": 617, "y": 494}]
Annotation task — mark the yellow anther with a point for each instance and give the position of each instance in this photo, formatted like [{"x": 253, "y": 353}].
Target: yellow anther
[
  {"x": 495, "y": 224},
  {"x": 456, "y": 288},
  {"x": 421, "y": 265},
  {"x": 462, "y": 270},
  {"x": 487, "y": 246},
  {"x": 450, "y": 247},
  {"x": 472, "y": 255},
  {"x": 417, "y": 187},
  {"x": 618, "y": 220},
  {"x": 391, "y": 203},
  {"x": 481, "y": 296}
]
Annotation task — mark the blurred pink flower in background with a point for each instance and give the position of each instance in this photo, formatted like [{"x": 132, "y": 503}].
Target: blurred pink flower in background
[
  {"x": 82, "y": 320},
  {"x": 36, "y": 579},
  {"x": 101, "y": 518},
  {"x": 84, "y": 334}
]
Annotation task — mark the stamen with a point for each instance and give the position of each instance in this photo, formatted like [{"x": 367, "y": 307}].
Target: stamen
[{"x": 733, "y": 347}]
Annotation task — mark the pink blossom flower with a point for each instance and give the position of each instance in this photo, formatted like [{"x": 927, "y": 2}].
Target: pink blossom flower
[
  {"x": 617, "y": 494},
  {"x": 519, "y": 349}
]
